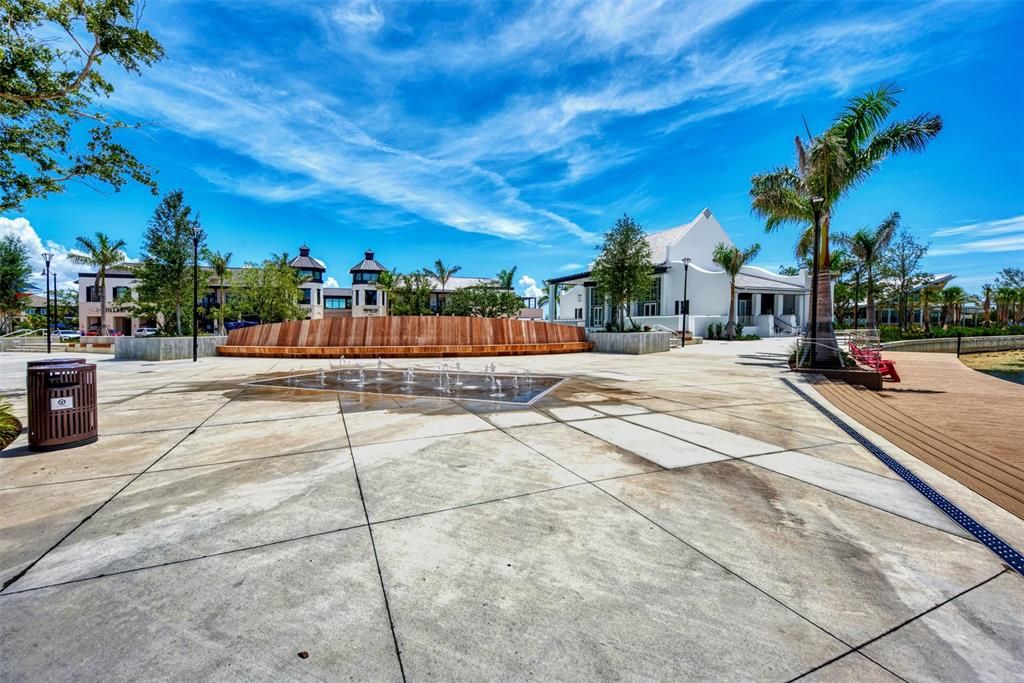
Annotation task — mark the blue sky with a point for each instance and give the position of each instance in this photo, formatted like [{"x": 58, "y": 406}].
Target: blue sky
[{"x": 500, "y": 134}]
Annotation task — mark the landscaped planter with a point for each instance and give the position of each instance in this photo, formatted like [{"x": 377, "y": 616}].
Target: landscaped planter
[
  {"x": 164, "y": 348},
  {"x": 630, "y": 342}
]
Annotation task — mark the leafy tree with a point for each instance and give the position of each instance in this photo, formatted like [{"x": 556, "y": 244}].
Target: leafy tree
[
  {"x": 443, "y": 274},
  {"x": 411, "y": 294},
  {"x": 901, "y": 268},
  {"x": 50, "y": 80},
  {"x": 165, "y": 274},
  {"x": 732, "y": 259},
  {"x": 268, "y": 291},
  {"x": 484, "y": 301},
  {"x": 387, "y": 283},
  {"x": 868, "y": 246},
  {"x": 506, "y": 278},
  {"x": 829, "y": 166},
  {"x": 100, "y": 253},
  {"x": 623, "y": 269},
  {"x": 67, "y": 306},
  {"x": 789, "y": 271},
  {"x": 1010, "y": 295},
  {"x": 221, "y": 269},
  {"x": 14, "y": 279}
]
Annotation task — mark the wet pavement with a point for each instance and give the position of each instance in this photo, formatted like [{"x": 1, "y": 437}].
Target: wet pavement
[{"x": 681, "y": 515}]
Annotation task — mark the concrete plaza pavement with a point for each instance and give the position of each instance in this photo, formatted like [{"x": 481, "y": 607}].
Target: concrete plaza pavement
[{"x": 673, "y": 516}]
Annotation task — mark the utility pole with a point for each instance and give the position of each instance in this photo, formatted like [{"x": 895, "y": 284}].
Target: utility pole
[
  {"x": 686, "y": 302},
  {"x": 195, "y": 293}
]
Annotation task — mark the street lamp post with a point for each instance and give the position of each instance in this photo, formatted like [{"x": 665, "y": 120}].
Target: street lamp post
[
  {"x": 56, "y": 305},
  {"x": 686, "y": 302},
  {"x": 47, "y": 257},
  {"x": 856, "y": 298},
  {"x": 196, "y": 234},
  {"x": 816, "y": 203}
]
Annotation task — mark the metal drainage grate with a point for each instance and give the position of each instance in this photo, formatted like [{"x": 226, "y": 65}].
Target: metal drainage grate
[{"x": 1005, "y": 551}]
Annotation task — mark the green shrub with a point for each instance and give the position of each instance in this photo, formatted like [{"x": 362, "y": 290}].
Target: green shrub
[
  {"x": 711, "y": 331},
  {"x": 888, "y": 334},
  {"x": 719, "y": 327},
  {"x": 10, "y": 427}
]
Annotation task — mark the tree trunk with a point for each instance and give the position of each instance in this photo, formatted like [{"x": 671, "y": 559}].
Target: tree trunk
[
  {"x": 730, "y": 328},
  {"x": 102, "y": 282},
  {"x": 220, "y": 304},
  {"x": 872, "y": 321},
  {"x": 826, "y": 352}
]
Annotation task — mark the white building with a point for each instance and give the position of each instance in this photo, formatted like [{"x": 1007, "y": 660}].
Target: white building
[{"x": 767, "y": 304}]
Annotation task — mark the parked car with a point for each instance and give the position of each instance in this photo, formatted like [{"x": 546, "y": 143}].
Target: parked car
[
  {"x": 145, "y": 331},
  {"x": 66, "y": 335}
]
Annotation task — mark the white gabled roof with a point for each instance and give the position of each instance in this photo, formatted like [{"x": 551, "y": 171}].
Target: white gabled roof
[
  {"x": 752, "y": 277},
  {"x": 663, "y": 239}
]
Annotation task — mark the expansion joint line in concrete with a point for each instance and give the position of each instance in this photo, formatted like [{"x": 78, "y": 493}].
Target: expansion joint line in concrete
[
  {"x": 373, "y": 542},
  {"x": 1007, "y": 553}
]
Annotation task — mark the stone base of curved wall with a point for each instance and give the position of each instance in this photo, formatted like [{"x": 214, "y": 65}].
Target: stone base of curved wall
[{"x": 1008, "y": 342}]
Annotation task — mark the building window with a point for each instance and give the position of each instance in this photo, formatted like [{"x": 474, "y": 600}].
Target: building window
[
  {"x": 318, "y": 300},
  {"x": 767, "y": 304},
  {"x": 304, "y": 296},
  {"x": 371, "y": 297},
  {"x": 788, "y": 304},
  {"x": 649, "y": 302},
  {"x": 311, "y": 275},
  {"x": 122, "y": 293},
  {"x": 92, "y": 295},
  {"x": 578, "y": 314},
  {"x": 596, "y": 302},
  {"x": 337, "y": 302},
  {"x": 363, "y": 278}
]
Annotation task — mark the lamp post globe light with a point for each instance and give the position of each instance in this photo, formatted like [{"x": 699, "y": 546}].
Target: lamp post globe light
[
  {"x": 47, "y": 257},
  {"x": 816, "y": 203},
  {"x": 686, "y": 301},
  {"x": 196, "y": 234}
]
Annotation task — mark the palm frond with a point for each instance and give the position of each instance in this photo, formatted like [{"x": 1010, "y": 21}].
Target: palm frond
[
  {"x": 865, "y": 113},
  {"x": 912, "y": 135}
]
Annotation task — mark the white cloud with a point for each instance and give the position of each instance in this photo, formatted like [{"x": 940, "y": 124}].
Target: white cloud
[
  {"x": 985, "y": 228},
  {"x": 358, "y": 15},
  {"x": 995, "y": 244},
  {"x": 67, "y": 272},
  {"x": 569, "y": 267},
  {"x": 531, "y": 288},
  {"x": 331, "y": 282}
]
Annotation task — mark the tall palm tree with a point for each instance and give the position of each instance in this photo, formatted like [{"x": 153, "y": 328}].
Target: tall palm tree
[
  {"x": 506, "y": 278},
  {"x": 732, "y": 259},
  {"x": 867, "y": 246},
  {"x": 987, "y": 290},
  {"x": 100, "y": 253},
  {"x": 829, "y": 166},
  {"x": 443, "y": 275},
  {"x": 219, "y": 263}
]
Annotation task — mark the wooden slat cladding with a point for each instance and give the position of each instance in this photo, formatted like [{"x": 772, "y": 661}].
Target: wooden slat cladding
[
  {"x": 400, "y": 336},
  {"x": 411, "y": 331}
]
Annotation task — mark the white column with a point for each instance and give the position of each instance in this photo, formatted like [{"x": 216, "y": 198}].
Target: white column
[{"x": 552, "y": 301}]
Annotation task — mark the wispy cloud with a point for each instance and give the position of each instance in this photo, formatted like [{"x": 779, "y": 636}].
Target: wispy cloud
[
  {"x": 569, "y": 267},
  {"x": 1002, "y": 226},
  {"x": 993, "y": 245}
]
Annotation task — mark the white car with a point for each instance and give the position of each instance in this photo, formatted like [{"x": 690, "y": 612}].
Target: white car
[
  {"x": 145, "y": 331},
  {"x": 67, "y": 335}
]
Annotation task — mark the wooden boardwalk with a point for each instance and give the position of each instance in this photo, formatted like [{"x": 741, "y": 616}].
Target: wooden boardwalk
[{"x": 964, "y": 423}]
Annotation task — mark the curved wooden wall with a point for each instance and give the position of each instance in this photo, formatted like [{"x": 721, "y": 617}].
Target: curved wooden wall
[{"x": 404, "y": 336}]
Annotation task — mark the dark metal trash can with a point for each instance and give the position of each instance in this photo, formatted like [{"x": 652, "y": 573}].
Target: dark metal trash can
[
  {"x": 61, "y": 405},
  {"x": 54, "y": 361}
]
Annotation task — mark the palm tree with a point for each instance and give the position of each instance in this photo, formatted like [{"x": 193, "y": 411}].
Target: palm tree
[
  {"x": 219, "y": 263},
  {"x": 952, "y": 298},
  {"x": 987, "y": 290},
  {"x": 506, "y": 278},
  {"x": 828, "y": 167},
  {"x": 732, "y": 259},
  {"x": 443, "y": 275},
  {"x": 867, "y": 246},
  {"x": 102, "y": 254}
]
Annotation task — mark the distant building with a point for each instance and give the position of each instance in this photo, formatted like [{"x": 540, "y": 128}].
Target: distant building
[
  {"x": 766, "y": 303},
  {"x": 362, "y": 299}
]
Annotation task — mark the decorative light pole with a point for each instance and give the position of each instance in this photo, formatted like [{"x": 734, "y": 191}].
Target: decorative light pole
[
  {"x": 196, "y": 234},
  {"x": 856, "y": 299},
  {"x": 816, "y": 203},
  {"x": 686, "y": 302},
  {"x": 47, "y": 257},
  {"x": 56, "y": 305}
]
